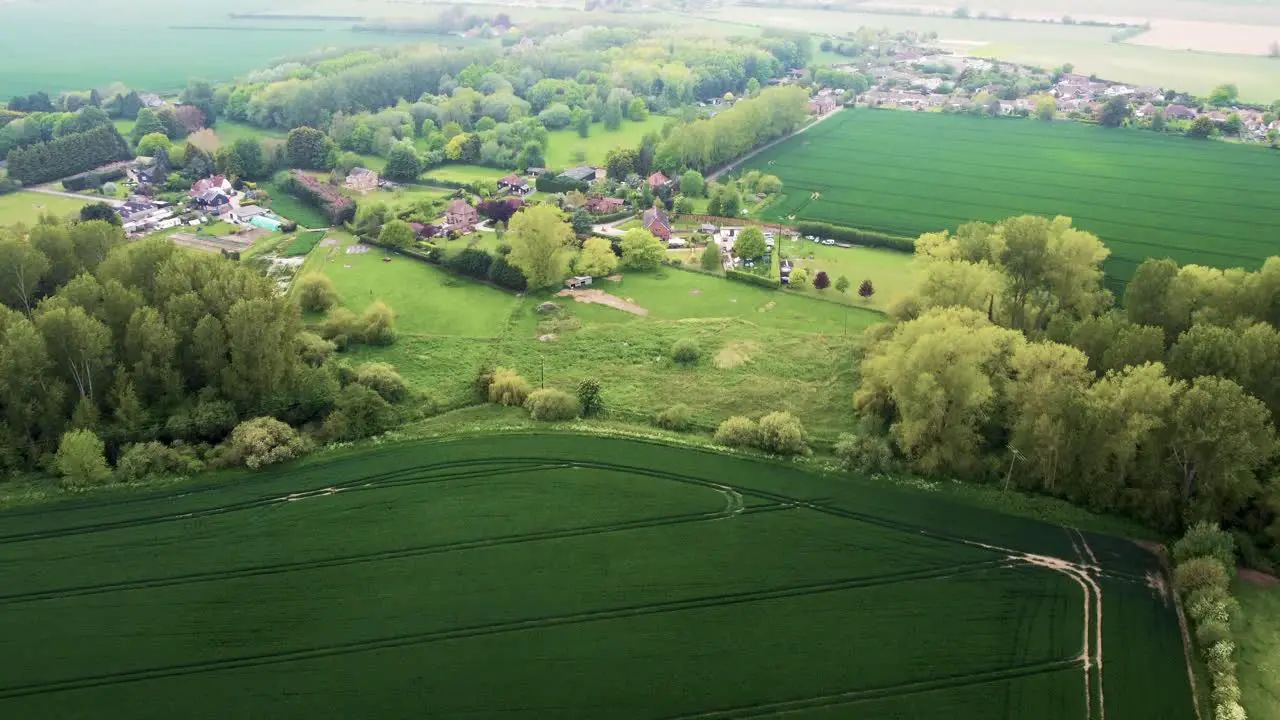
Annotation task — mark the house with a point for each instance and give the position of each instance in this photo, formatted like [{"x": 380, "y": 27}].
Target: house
[
  {"x": 1146, "y": 110},
  {"x": 822, "y": 104},
  {"x": 1218, "y": 117},
  {"x": 658, "y": 180},
  {"x": 211, "y": 192},
  {"x": 604, "y": 205},
  {"x": 1180, "y": 112},
  {"x": 657, "y": 222},
  {"x": 515, "y": 184},
  {"x": 361, "y": 180},
  {"x": 461, "y": 217},
  {"x": 582, "y": 173}
]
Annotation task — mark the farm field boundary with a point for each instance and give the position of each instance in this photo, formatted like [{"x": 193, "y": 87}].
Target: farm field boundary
[
  {"x": 857, "y": 595},
  {"x": 1144, "y": 194}
]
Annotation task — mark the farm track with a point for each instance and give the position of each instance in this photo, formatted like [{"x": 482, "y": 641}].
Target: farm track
[
  {"x": 854, "y": 696},
  {"x": 412, "y": 639},
  {"x": 383, "y": 555}
]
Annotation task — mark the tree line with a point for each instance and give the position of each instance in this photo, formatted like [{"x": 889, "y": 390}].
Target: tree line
[
  {"x": 122, "y": 346},
  {"x": 1009, "y": 363},
  {"x": 67, "y": 155}
]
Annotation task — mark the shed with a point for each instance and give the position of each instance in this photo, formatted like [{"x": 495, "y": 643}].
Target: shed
[{"x": 266, "y": 223}]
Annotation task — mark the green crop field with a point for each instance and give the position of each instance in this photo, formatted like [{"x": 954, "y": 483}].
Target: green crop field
[
  {"x": 566, "y": 149},
  {"x": 27, "y": 207},
  {"x": 1146, "y": 195},
  {"x": 563, "y": 576}
]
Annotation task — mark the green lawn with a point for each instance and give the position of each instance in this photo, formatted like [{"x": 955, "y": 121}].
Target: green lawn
[
  {"x": 27, "y": 207},
  {"x": 1258, "y": 641},
  {"x": 892, "y": 274},
  {"x": 405, "y": 195},
  {"x": 565, "y": 146},
  {"x": 291, "y": 208},
  {"x": 464, "y": 173},
  {"x": 229, "y": 131},
  {"x": 555, "y": 573},
  {"x": 427, "y": 301}
]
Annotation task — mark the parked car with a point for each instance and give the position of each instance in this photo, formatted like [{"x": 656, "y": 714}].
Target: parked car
[{"x": 828, "y": 241}]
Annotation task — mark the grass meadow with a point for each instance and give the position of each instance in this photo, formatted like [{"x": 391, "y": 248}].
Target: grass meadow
[
  {"x": 464, "y": 173},
  {"x": 379, "y": 584},
  {"x": 290, "y": 207},
  {"x": 27, "y": 207},
  {"x": 892, "y": 274},
  {"x": 1259, "y": 649},
  {"x": 1146, "y": 195},
  {"x": 566, "y": 149}
]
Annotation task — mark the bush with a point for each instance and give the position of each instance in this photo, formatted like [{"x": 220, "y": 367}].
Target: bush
[
  {"x": 1229, "y": 711},
  {"x": 264, "y": 441},
  {"x": 316, "y": 292},
  {"x": 81, "y": 460},
  {"x": 1205, "y": 539},
  {"x": 751, "y": 279},
  {"x": 472, "y": 262},
  {"x": 342, "y": 327},
  {"x": 737, "y": 431},
  {"x": 484, "y": 379},
  {"x": 1212, "y": 632},
  {"x": 314, "y": 350},
  {"x": 1198, "y": 574},
  {"x": 1219, "y": 658},
  {"x": 589, "y": 397},
  {"x": 686, "y": 351},
  {"x": 865, "y": 453},
  {"x": 550, "y": 404},
  {"x": 153, "y": 460},
  {"x": 855, "y": 236},
  {"x": 508, "y": 388},
  {"x": 678, "y": 417},
  {"x": 781, "y": 433},
  {"x": 1225, "y": 690},
  {"x": 378, "y": 324},
  {"x": 359, "y": 412},
  {"x": 383, "y": 379},
  {"x": 505, "y": 275}
]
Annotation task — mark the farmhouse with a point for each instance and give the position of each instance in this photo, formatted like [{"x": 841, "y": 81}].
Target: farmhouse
[
  {"x": 515, "y": 184},
  {"x": 658, "y": 180},
  {"x": 657, "y": 222},
  {"x": 604, "y": 205},
  {"x": 461, "y": 217},
  {"x": 211, "y": 192},
  {"x": 1180, "y": 112},
  {"x": 361, "y": 180}
]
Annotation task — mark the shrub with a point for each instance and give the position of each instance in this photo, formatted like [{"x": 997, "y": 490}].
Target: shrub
[
  {"x": 504, "y": 274},
  {"x": 686, "y": 351},
  {"x": 1211, "y": 632},
  {"x": 152, "y": 460},
  {"x": 1219, "y": 658},
  {"x": 484, "y": 379},
  {"x": 342, "y": 327},
  {"x": 80, "y": 459},
  {"x": 1205, "y": 539},
  {"x": 359, "y": 412},
  {"x": 589, "y": 397},
  {"x": 550, "y": 404},
  {"x": 313, "y": 349},
  {"x": 781, "y": 433},
  {"x": 1199, "y": 573},
  {"x": 472, "y": 262},
  {"x": 1225, "y": 689},
  {"x": 1229, "y": 711},
  {"x": 264, "y": 441},
  {"x": 378, "y": 324},
  {"x": 1223, "y": 609},
  {"x": 865, "y": 453},
  {"x": 383, "y": 379},
  {"x": 212, "y": 418},
  {"x": 750, "y": 279},
  {"x": 738, "y": 432},
  {"x": 508, "y": 388},
  {"x": 677, "y": 417}
]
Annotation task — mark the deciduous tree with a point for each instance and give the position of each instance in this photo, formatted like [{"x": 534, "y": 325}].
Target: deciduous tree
[
  {"x": 597, "y": 259},
  {"x": 540, "y": 245},
  {"x": 642, "y": 251}
]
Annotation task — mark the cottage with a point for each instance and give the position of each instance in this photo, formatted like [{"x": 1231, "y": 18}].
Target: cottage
[
  {"x": 1146, "y": 110},
  {"x": 215, "y": 182},
  {"x": 361, "y": 180},
  {"x": 515, "y": 184},
  {"x": 657, "y": 222},
  {"x": 582, "y": 173},
  {"x": 823, "y": 104},
  {"x": 658, "y": 180},
  {"x": 1180, "y": 112},
  {"x": 462, "y": 217},
  {"x": 604, "y": 205}
]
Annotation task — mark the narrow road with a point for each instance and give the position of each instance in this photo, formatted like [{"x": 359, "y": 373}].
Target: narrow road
[
  {"x": 611, "y": 229},
  {"x": 46, "y": 190},
  {"x": 715, "y": 175}
]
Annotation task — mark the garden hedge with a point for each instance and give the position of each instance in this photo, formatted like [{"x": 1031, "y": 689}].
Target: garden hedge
[{"x": 840, "y": 233}]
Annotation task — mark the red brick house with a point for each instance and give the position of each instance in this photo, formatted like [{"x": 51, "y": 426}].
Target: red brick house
[
  {"x": 462, "y": 217},
  {"x": 657, "y": 222},
  {"x": 604, "y": 205},
  {"x": 658, "y": 180}
]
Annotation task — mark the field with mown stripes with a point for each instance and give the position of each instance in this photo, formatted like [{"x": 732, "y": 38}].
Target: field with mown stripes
[
  {"x": 1145, "y": 194},
  {"x": 561, "y": 577}
]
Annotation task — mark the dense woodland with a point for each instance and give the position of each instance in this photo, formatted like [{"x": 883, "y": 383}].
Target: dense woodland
[{"x": 1011, "y": 364}]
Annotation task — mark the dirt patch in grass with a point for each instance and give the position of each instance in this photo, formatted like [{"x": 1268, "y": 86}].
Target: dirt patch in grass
[
  {"x": 1255, "y": 577},
  {"x": 735, "y": 354},
  {"x": 601, "y": 297}
]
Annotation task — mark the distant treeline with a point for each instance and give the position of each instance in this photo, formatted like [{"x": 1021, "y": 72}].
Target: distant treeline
[
  {"x": 226, "y": 28},
  {"x": 280, "y": 16}
]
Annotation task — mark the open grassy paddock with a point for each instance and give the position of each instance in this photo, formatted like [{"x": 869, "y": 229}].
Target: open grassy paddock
[
  {"x": 27, "y": 207},
  {"x": 892, "y": 274},
  {"x": 291, "y": 208},
  {"x": 1144, "y": 194},
  {"x": 553, "y": 573},
  {"x": 464, "y": 173},
  {"x": 566, "y": 149},
  {"x": 1259, "y": 640}
]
